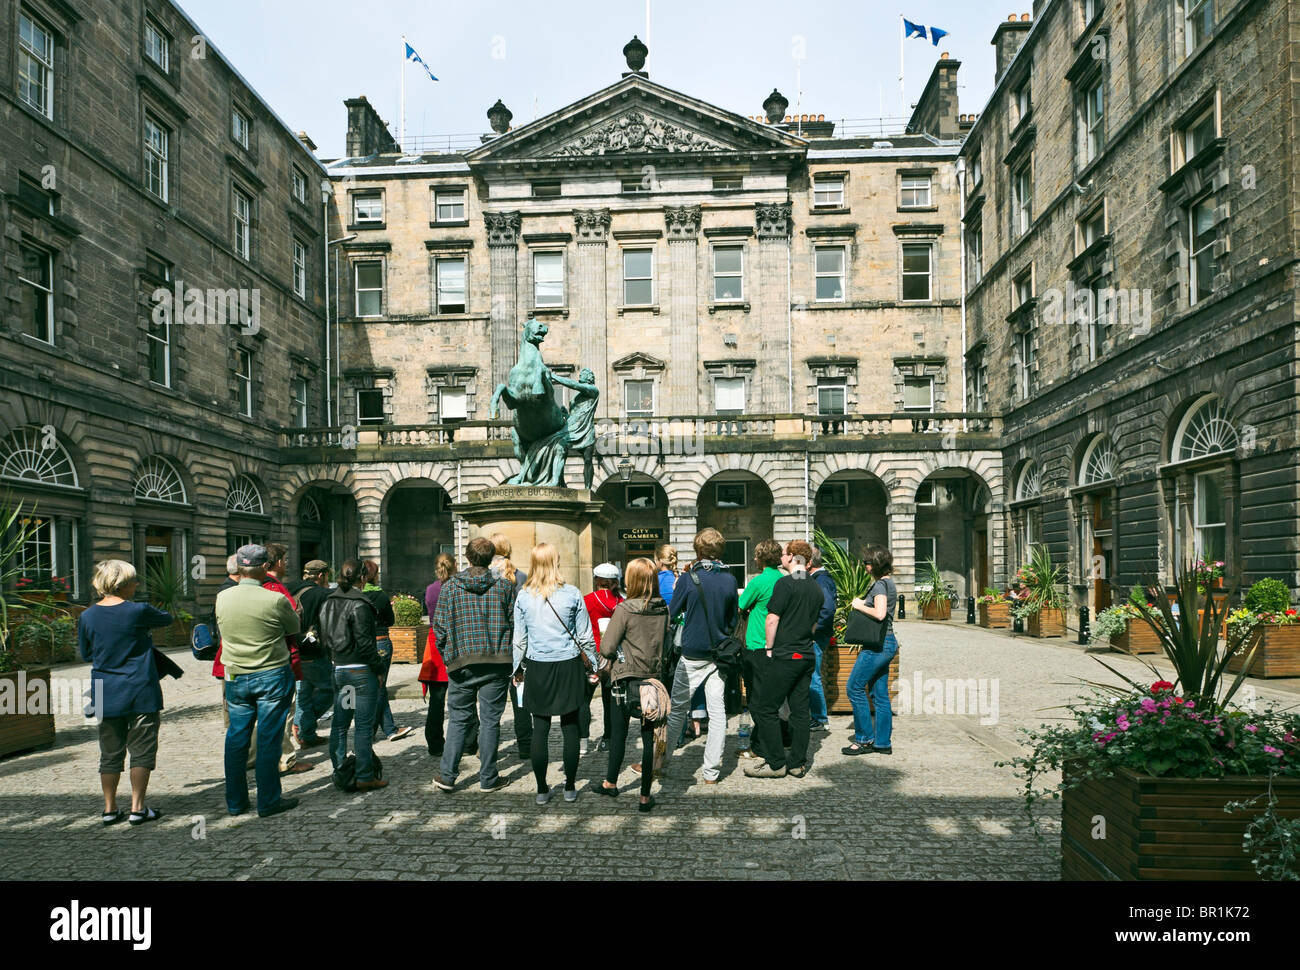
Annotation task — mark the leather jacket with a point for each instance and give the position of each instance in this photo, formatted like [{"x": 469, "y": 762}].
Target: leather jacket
[{"x": 347, "y": 628}]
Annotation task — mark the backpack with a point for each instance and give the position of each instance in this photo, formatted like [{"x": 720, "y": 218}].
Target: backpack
[
  {"x": 726, "y": 653},
  {"x": 203, "y": 645},
  {"x": 345, "y": 775}
]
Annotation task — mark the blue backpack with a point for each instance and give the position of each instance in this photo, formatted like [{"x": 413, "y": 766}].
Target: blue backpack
[{"x": 202, "y": 643}]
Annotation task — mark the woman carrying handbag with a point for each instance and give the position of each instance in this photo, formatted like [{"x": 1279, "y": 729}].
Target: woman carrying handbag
[{"x": 871, "y": 624}]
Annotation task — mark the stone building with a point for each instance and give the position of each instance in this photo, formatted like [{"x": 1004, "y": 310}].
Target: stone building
[
  {"x": 1130, "y": 228},
  {"x": 137, "y": 166},
  {"x": 772, "y": 313}
]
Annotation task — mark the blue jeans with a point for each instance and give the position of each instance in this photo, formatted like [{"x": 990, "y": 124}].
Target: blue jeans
[
  {"x": 817, "y": 696},
  {"x": 488, "y": 685},
  {"x": 315, "y": 695},
  {"x": 871, "y": 673},
  {"x": 262, "y": 699},
  {"x": 384, "y": 713},
  {"x": 358, "y": 694}
]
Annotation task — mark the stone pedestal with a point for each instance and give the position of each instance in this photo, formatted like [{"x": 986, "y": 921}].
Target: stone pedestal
[{"x": 571, "y": 519}]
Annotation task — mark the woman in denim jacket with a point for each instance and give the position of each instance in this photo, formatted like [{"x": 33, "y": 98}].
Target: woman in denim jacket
[{"x": 552, "y": 635}]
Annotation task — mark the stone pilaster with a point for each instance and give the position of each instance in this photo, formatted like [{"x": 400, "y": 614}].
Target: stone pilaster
[
  {"x": 902, "y": 544},
  {"x": 772, "y": 306},
  {"x": 789, "y": 522},
  {"x": 681, "y": 531},
  {"x": 683, "y": 226},
  {"x": 370, "y": 534},
  {"x": 503, "y": 257},
  {"x": 588, "y": 289}
]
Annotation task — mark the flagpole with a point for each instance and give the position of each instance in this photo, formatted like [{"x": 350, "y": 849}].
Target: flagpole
[
  {"x": 402, "y": 129},
  {"x": 902, "y": 93}
]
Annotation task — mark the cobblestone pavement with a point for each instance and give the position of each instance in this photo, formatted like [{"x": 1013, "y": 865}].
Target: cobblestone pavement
[{"x": 936, "y": 809}]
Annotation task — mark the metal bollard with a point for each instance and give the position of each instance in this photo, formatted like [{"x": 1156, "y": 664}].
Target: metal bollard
[
  {"x": 1085, "y": 626},
  {"x": 902, "y": 607},
  {"x": 970, "y": 609},
  {"x": 1017, "y": 624}
]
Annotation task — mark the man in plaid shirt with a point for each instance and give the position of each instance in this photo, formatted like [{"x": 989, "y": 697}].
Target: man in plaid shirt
[{"x": 474, "y": 629}]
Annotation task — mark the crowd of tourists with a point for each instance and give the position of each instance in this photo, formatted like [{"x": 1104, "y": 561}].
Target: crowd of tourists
[{"x": 663, "y": 646}]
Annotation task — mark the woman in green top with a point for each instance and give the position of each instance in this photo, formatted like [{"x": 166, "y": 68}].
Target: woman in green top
[{"x": 753, "y": 600}]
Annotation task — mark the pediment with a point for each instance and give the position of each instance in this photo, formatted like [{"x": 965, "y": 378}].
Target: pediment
[
  {"x": 638, "y": 361},
  {"x": 635, "y": 119}
]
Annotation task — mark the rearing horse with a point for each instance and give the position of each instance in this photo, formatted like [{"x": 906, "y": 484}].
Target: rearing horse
[{"x": 530, "y": 393}]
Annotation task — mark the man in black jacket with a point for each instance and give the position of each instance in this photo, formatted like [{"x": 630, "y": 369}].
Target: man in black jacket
[{"x": 316, "y": 689}]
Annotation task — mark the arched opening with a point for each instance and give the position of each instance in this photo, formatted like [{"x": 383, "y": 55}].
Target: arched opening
[
  {"x": 739, "y": 505},
  {"x": 640, "y": 516},
  {"x": 326, "y": 515},
  {"x": 851, "y": 507},
  {"x": 247, "y": 519},
  {"x": 952, "y": 528},
  {"x": 38, "y": 473},
  {"x": 1095, "y": 502},
  {"x": 417, "y": 527}
]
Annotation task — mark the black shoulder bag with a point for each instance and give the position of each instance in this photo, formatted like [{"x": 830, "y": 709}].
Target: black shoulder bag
[
  {"x": 866, "y": 631},
  {"x": 727, "y": 653}
]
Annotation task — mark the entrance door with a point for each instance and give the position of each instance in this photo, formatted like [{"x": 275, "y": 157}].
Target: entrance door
[
  {"x": 980, "y": 553},
  {"x": 633, "y": 549},
  {"x": 1103, "y": 552}
]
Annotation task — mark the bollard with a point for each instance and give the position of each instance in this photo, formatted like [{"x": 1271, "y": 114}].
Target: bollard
[
  {"x": 1017, "y": 624},
  {"x": 1085, "y": 626},
  {"x": 902, "y": 607},
  {"x": 970, "y": 609}
]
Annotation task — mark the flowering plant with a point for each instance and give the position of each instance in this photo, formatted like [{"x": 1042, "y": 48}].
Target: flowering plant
[
  {"x": 990, "y": 597},
  {"x": 59, "y": 584},
  {"x": 1206, "y": 572},
  {"x": 1267, "y": 602},
  {"x": 25, "y": 582}
]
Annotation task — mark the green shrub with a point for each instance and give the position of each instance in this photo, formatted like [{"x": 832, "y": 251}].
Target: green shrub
[
  {"x": 1268, "y": 596},
  {"x": 407, "y": 610}
]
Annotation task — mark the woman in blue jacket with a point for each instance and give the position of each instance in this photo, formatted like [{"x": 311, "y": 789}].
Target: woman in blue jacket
[{"x": 113, "y": 636}]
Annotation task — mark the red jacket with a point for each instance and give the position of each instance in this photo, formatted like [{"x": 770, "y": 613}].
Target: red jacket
[
  {"x": 273, "y": 584},
  {"x": 600, "y": 606}
]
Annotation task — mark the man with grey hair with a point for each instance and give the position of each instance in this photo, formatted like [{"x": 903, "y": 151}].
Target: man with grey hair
[{"x": 821, "y": 640}]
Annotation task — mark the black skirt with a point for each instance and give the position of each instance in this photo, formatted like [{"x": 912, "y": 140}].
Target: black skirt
[{"x": 554, "y": 687}]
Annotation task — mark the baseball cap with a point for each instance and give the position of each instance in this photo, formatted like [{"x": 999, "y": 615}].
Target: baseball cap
[
  {"x": 316, "y": 567},
  {"x": 607, "y": 570},
  {"x": 252, "y": 555}
]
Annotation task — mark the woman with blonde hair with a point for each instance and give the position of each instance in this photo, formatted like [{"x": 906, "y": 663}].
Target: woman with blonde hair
[
  {"x": 552, "y": 636},
  {"x": 501, "y": 542},
  {"x": 666, "y": 562},
  {"x": 433, "y": 672}
]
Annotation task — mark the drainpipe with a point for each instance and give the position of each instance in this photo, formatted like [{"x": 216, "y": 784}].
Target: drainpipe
[
  {"x": 789, "y": 330},
  {"x": 961, "y": 192},
  {"x": 325, "y": 192},
  {"x": 333, "y": 242},
  {"x": 807, "y": 524}
]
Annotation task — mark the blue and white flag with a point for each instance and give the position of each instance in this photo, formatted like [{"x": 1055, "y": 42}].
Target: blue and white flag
[
  {"x": 918, "y": 30},
  {"x": 412, "y": 56}
]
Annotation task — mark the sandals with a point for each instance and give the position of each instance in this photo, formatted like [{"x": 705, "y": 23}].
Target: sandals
[
  {"x": 112, "y": 818},
  {"x": 148, "y": 815},
  {"x": 611, "y": 792},
  {"x": 856, "y": 749}
]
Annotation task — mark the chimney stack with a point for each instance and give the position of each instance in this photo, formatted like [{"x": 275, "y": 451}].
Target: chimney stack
[
  {"x": 1007, "y": 39},
  {"x": 367, "y": 132}
]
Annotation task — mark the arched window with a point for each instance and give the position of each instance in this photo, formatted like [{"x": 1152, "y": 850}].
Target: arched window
[
  {"x": 245, "y": 497},
  {"x": 1099, "y": 463},
  {"x": 159, "y": 480},
  {"x": 33, "y": 454},
  {"x": 1030, "y": 483},
  {"x": 308, "y": 510},
  {"x": 1204, "y": 430}
]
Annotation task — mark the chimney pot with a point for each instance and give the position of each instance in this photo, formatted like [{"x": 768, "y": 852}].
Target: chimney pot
[{"x": 1024, "y": 18}]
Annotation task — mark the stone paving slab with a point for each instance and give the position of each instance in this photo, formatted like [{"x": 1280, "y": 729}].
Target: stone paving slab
[{"x": 936, "y": 809}]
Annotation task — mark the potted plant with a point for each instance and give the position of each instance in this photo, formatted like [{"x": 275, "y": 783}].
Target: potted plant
[
  {"x": 1161, "y": 781},
  {"x": 1209, "y": 575},
  {"x": 1042, "y": 607},
  {"x": 1269, "y": 624},
  {"x": 931, "y": 595},
  {"x": 994, "y": 610},
  {"x": 408, "y": 632},
  {"x": 1125, "y": 628},
  {"x": 25, "y": 720},
  {"x": 165, "y": 588}
]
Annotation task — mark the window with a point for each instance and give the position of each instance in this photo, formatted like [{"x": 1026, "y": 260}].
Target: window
[
  {"x": 829, "y": 268},
  {"x": 452, "y": 404},
  {"x": 370, "y": 406},
  {"x": 828, "y": 192},
  {"x": 156, "y": 46},
  {"x": 1099, "y": 462},
  {"x": 546, "y": 190},
  {"x": 35, "y": 65},
  {"x": 26, "y": 455},
  {"x": 1022, "y": 203},
  {"x": 369, "y": 287},
  {"x": 735, "y": 557},
  {"x": 1200, "y": 248},
  {"x": 159, "y": 333},
  {"x": 975, "y": 252},
  {"x": 449, "y": 284},
  {"x": 240, "y": 126},
  {"x": 730, "y": 495},
  {"x": 1211, "y": 520},
  {"x": 155, "y": 157},
  {"x": 1092, "y": 227},
  {"x": 976, "y": 171},
  {"x": 1092, "y": 120},
  {"x": 36, "y": 292},
  {"x": 635, "y": 185},
  {"x": 918, "y": 393},
  {"x": 35, "y": 195},
  {"x": 729, "y": 395},
  {"x": 728, "y": 273},
  {"x": 298, "y": 400},
  {"x": 1096, "y": 316},
  {"x": 1023, "y": 100},
  {"x": 915, "y": 193},
  {"x": 244, "y": 381},
  {"x": 298, "y": 185},
  {"x": 1089, "y": 9},
  {"x": 638, "y": 277},
  {"x": 243, "y": 224},
  {"x": 727, "y": 183},
  {"x": 925, "y": 546},
  {"x": 548, "y": 279},
  {"x": 368, "y": 207},
  {"x": 925, "y": 493},
  {"x": 834, "y": 495},
  {"x": 1195, "y": 136},
  {"x": 1026, "y": 347},
  {"x": 830, "y": 395},
  {"x": 300, "y": 269},
  {"x": 449, "y": 205},
  {"x": 639, "y": 496},
  {"x": 244, "y": 496},
  {"x": 916, "y": 271},
  {"x": 1030, "y": 483},
  {"x": 1206, "y": 430},
  {"x": 639, "y": 399},
  {"x": 1023, "y": 288},
  {"x": 1198, "y": 23}
]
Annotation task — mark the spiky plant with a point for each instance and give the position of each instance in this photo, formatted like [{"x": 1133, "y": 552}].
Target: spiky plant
[{"x": 852, "y": 578}]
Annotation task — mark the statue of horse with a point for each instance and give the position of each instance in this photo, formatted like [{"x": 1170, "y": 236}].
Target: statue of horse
[{"x": 539, "y": 432}]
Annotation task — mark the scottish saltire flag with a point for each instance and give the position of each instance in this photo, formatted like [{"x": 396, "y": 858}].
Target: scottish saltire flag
[
  {"x": 412, "y": 56},
  {"x": 936, "y": 33},
  {"x": 918, "y": 30}
]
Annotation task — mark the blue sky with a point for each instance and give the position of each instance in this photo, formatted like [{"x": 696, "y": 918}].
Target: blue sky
[{"x": 306, "y": 56}]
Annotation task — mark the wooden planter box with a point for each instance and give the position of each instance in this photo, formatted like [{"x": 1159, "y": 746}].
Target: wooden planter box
[
  {"x": 1164, "y": 828},
  {"x": 1138, "y": 637},
  {"x": 995, "y": 616},
  {"x": 408, "y": 643},
  {"x": 837, "y": 663},
  {"x": 1046, "y": 623},
  {"x": 21, "y": 731},
  {"x": 1277, "y": 651},
  {"x": 940, "y": 609}
]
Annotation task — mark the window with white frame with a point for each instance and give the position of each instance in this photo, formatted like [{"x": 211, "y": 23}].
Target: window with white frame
[
  {"x": 548, "y": 279},
  {"x": 639, "y": 496},
  {"x": 157, "y": 47},
  {"x": 1195, "y": 136},
  {"x": 452, "y": 404},
  {"x": 1023, "y": 100},
  {"x": 367, "y": 207},
  {"x": 831, "y": 395},
  {"x": 1205, "y": 430},
  {"x": 735, "y": 559},
  {"x": 35, "y": 64},
  {"x": 1210, "y": 516},
  {"x": 1096, "y": 316},
  {"x": 449, "y": 205},
  {"x": 915, "y": 192},
  {"x": 244, "y": 381},
  {"x": 729, "y": 395},
  {"x": 156, "y": 139},
  {"x": 298, "y": 185},
  {"x": 1023, "y": 288},
  {"x": 36, "y": 292},
  {"x": 298, "y": 401},
  {"x": 1089, "y": 10},
  {"x": 243, "y": 213},
  {"x": 159, "y": 337},
  {"x": 631, "y": 186},
  {"x": 918, "y": 393},
  {"x": 370, "y": 405},
  {"x": 240, "y": 127},
  {"x": 1022, "y": 201},
  {"x": 1091, "y": 118},
  {"x": 731, "y": 495},
  {"x": 925, "y": 493},
  {"x": 1198, "y": 22},
  {"x": 916, "y": 271},
  {"x": 639, "y": 398},
  {"x": 976, "y": 170},
  {"x": 925, "y": 549},
  {"x": 728, "y": 274},
  {"x": 1201, "y": 262},
  {"x": 828, "y": 192},
  {"x": 368, "y": 284},
  {"x": 727, "y": 183},
  {"x": 449, "y": 280},
  {"x": 975, "y": 251},
  {"x": 829, "y": 269},
  {"x": 1025, "y": 345},
  {"x": 1092, "y": 227},
  {"x": 300, "y": 268},
  {"x": 833, "y": 495},
  {"x": 638, "y": 277}
]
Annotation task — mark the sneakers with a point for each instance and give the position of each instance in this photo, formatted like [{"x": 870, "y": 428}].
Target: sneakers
[
  {"x": 821, "y": 727},
  {"x": 443, "y": 783},
  {"x": 497, "y": 785},
  {"x": 748, "y": 755},
  {"x": 570, "y": 794},
  {"x": 546, "y": 796},
  {"x": 400, "y": 733},
  {"x": 582, "y": 746},
  {"x": 279, "y": 808},
  {"x": 603, "y": 745},
  {"x": 372, "y": 785},
  {"x": 764, "y": 771}
]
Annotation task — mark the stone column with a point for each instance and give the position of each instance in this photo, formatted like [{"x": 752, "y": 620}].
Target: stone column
[
  {"x": 503, "y": 256},
  {"x": 789, "y": 523},
  {"x": 682, "y": 529},
  {"x": 996, "y": 553},
  {"x": 772, "y": 307},
  {"x": 589, "y": 298},
  {"x": 902, "y": 543},
  {"x": 371, "y": 533},
  {"x": 683, "y": 225},
  {"x": 1185, "y": 551}
]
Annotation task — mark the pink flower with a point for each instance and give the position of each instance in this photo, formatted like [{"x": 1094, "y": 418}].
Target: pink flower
[
  {"x": 1275, "y": 752},
  {"x": 1147, "y": 704},
  {"x": 1188, "y": 704},
  {"x": 1252, "y": 728}
]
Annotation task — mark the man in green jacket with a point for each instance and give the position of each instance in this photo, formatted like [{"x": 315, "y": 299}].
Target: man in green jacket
[
  {"x": 254, "y": 623},
  {"x": 754, "y": 599}
]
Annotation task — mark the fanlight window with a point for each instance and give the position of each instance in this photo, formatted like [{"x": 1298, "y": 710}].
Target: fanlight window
[
  {"x": 31, "y": 454},
  {"x": 245, "y": 497},
  {"x": 308, "y": 510},
  {"x": 1099, "y": 462},
  {"x": 1031, "y": 482},
  {"x": 159, "y": 480},
  {"x": 1205, "y": 430}
]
